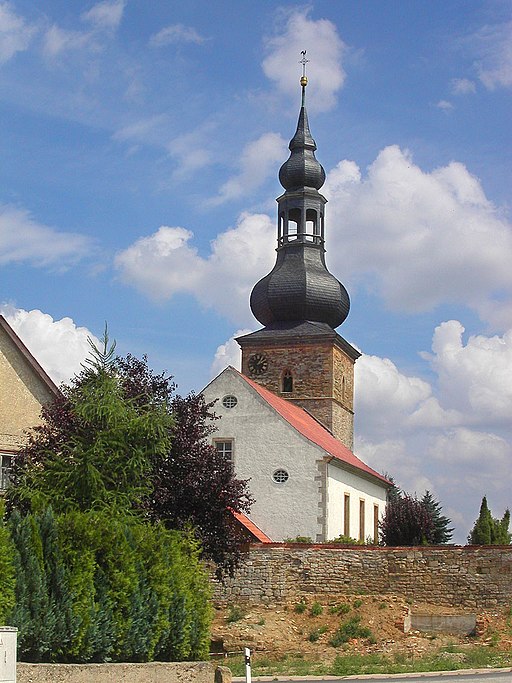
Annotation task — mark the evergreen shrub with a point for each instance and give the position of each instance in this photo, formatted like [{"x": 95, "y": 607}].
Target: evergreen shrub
[{"x": 95, "y": 586}]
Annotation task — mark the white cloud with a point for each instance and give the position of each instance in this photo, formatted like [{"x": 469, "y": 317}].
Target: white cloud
[
  {"x": 58, "y": 345},
  {"x": 444, "y": 105},
  {"x": 493, "y": 44},
  {"x": 452, "y": 436},
  {"x": 164, "y": 264},
  {"x": 176, "y": 33},
  {"x": 105, "y": 15},
  {"x": 228, "y": 354},
  {"x": 325, "y": 50},
  {"x": 418, "y": 234},
  {"x": 388, "y": 395},
  {"x": 15, "y": 33},
  {"x": 22, "y": 239},
  {"x": 462, "y": 86},
  {"x": 476, "y": 378},
  {"x": 57, "y": 40},
  {"x": 257, "y": 161}
]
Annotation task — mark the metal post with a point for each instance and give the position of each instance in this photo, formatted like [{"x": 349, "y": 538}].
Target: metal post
[{"x": 248, "y": 678}]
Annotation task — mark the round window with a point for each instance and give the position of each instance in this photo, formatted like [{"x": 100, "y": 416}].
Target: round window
[
  {"x": 229, "y": 401},
  {"x": 280, "y": 476}
]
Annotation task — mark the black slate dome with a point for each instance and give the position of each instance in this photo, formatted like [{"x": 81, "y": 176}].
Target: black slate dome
[
  {"x": 302, "y": 168},
  {"x": 299, "y": 287}
]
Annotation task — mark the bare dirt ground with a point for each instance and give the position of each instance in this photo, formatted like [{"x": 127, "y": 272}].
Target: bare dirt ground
[{"x": 280, "y": 629}]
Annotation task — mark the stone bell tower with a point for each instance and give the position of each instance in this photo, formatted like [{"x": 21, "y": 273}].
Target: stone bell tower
[{"x": 298, "y": 355}]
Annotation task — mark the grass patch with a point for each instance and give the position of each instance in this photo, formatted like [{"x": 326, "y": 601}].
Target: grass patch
[
  {"x": 357, "y": 603},
  {"x": 347, "y": 664}
]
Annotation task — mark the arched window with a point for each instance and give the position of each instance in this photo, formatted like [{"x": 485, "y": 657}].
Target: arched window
[{"x": 287, "y": 382}]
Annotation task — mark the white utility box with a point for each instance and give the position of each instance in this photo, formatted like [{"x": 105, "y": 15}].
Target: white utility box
[{"x": 8, "y": 638}]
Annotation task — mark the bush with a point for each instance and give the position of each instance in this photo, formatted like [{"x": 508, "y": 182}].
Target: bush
[
  {"x": 315, "y": 635},
  {"x": 316, "y": 609},
  {"x": 7, "y": 570},
  {"x": 349, "y": 630},
  {"x": 300, "y": 607},
  {"x": 235, "y": 613},
  {"x": 346, "y": 540},
  {"x": 129, "y": 591}
]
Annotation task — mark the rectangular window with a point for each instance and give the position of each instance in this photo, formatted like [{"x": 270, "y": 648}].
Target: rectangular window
[
  {"x": 375, "y": 524},
  {"x": 225, "y": 448},
  {"x": 346, "y": 515},
  {"x": 361, "y": 520},
  {"x": 5, "y": 469}
]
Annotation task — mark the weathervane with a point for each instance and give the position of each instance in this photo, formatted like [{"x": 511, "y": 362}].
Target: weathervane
[{"x": 304, "y": 78}]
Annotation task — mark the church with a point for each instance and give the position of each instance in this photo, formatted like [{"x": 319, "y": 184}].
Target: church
[{"x": 288, "y": 418}]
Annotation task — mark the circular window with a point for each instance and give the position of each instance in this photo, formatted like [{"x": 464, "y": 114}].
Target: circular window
[
  {"x": 229, "y": 401},
  {"x": 280, "y": 476}
]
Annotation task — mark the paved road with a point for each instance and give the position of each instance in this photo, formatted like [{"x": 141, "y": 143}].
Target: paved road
[{"x": 445, "y": 677}]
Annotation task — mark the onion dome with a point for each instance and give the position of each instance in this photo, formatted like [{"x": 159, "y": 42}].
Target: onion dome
[
  {"x": 302, "y": 168},
  {"x": 300, "y": 288}
]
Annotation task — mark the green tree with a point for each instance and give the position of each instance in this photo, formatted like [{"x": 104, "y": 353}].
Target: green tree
[
  {"x": 104, "y": 457},
  {"x": 488, "y": 530},
  {"x": 442, "y": 531},
  {"x": 7, "y": 569}
]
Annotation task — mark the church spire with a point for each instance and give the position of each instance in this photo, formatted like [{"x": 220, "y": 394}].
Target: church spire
[{"x": 300, "y": 288}]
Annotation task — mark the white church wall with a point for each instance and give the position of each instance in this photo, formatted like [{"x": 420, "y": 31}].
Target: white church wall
[
  {"x": 264, "y": 443},
  {"x": 341, "y": 483}
]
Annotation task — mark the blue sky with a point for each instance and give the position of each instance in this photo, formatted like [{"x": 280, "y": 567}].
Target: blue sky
[{"x": 140, "y": 145}]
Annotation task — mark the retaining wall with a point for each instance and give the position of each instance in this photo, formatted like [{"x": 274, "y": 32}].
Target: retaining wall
[
  {"x": 468, "y": 576},
  {"x": 151, "y": 672}
]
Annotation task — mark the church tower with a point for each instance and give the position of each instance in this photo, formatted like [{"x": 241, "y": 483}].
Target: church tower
[{"x": 298, "y": 355}]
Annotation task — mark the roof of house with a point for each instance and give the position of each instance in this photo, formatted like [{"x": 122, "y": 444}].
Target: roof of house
[
  {"x": 312, "y": 430},
  {"x": 29, "y": 358},
  {"x": 251, "y": 527}
]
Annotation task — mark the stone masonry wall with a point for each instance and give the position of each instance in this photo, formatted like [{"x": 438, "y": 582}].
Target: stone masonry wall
[{"x": 469, "y": 576}]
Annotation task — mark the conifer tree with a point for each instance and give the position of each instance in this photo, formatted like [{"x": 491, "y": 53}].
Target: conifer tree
[
  {"x": 7, "y": 570},
  {"x": 442, "y": 532},
  {"x": 488, "y": 530}
]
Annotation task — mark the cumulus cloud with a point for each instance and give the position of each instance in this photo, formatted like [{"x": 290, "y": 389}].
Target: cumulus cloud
[
  {"x": 24, "y": 240},
  {"x": 165, "y": 264},
  {"x": 326, "y": 53},
  {"x": 418, "y": 234},
  {"x": 60, "y": 346},
  {"x": 228, "y": 354},
  {"x": 452, "y": 435},
  {"x": 15, "y": 33},
  {"x": 462, "y": 86},
  {"x": 257, "y": 161},
  {"x": 476, "y": 378},
  {"x": 493, "y": 45},
  {"x": 176, "y": 33}
]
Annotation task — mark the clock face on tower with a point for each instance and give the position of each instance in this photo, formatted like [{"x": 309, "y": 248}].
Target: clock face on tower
[{"x": 258, "y": 364}]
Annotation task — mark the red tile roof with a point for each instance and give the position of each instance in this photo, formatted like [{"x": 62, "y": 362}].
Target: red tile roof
[
  {"x": 306, "y": 425},
  {"x": 251, "y": 527}
]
